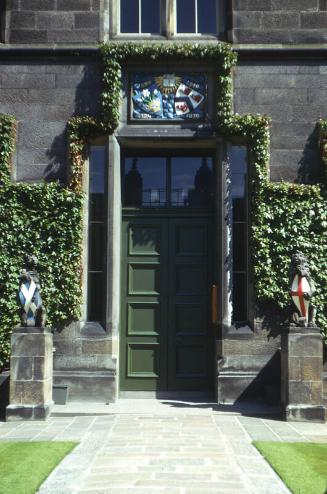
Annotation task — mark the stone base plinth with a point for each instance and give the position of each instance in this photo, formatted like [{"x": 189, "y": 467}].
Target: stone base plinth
[
  {"x": 302, "y": 374},
  {"x": 31, "y": 374},
  {"x": 305, "y": 413},
  {"x": 27, "y": 412}
]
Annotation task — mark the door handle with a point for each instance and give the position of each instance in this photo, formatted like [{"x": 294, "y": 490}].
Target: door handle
[{"x": 214, "y": 304}]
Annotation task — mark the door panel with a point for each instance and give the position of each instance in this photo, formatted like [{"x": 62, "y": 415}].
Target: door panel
[
  {"x": 165, "y": 338},
  {"x": 143, "y": 319},
  {"x": 144, "y": 240},
  {"x": 190, "y": 362},
  {"x": 144, "y": 278},
  {"x": 190, "y": 318},
  {"x": 144, "y": 256},
  {"x": 189, "y": 340},
  {"x": 143, "y": 360}
]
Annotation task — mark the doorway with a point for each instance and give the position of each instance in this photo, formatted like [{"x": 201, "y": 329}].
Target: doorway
[{"x": 166, "y": 341}]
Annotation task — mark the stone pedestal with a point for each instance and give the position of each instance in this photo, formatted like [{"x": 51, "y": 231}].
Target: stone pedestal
[
  {"x": 31, "y": 371},
  {"x": 302, "y": 374}
]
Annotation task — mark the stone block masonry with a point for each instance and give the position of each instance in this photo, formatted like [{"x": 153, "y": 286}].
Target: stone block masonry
[
  {"x": 293, "y": 94},
  {"x": 278, "y": 21},
  {"x": 50, "y": 21},
  {"x": 43, "y": 96},
  {"x": 31, "y": 371},
  {"x": 302, "y": 370}
]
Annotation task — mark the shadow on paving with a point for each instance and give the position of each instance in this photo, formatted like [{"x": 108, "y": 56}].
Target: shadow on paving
[{"x": 247, "y": 409}]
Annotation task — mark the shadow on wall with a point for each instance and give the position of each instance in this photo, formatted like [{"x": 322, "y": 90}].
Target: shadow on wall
[
  {"x": 4, "y": 393},
  {"x": 309, "y": 171},
  {"x": 260, "y": 398},
  {"x": 87, "y": 102},
  {"x": 266, "y": 387},
  {"x": 271, "y": 318},
  {"x": 57, "y": 155}
]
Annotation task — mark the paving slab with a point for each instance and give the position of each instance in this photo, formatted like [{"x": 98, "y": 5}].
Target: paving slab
[{"x": 149, "y": 446}]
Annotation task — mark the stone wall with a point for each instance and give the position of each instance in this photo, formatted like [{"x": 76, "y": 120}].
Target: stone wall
[
  {"x": 84, "y": 21},
  {"x": 294, "y": 95},
  {"x": 53, "y": 21},
  {"x": 278, "y": 21},
  {"x": 83, "y": 362},
  {"x": 249, "y": 368},
  {"x": 43, "y": 96}
]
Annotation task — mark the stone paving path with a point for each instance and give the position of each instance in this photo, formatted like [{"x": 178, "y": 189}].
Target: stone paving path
[{"x": 148, "y": 446}]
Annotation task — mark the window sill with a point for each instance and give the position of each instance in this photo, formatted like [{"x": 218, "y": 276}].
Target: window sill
[
  {"x": 138, "y": 37},
  {"x": 160, "y": 37},
  {"x": 193, "y": 36}
]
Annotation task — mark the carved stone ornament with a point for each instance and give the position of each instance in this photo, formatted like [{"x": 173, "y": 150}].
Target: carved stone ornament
[
  {"x": 301, "y": 290},
  {"x": 29, "y": 295}
]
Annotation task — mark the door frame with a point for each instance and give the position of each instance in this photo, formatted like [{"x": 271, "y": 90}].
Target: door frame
[{"x": 116, "y": 146}]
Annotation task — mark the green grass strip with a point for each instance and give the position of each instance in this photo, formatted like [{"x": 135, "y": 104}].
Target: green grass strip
[
  {"x": 302, "y": 466},
  {"x": 24, "y": 466}
]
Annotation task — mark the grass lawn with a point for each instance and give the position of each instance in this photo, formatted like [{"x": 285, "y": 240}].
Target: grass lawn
[
  {"x": 25, "y": 465},
  {"x": 302, "y": 466}
]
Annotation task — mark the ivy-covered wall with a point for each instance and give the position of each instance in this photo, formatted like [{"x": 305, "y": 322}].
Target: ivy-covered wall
[
  {"x": 46, "y": 218},
  {"x": 43, "y": 219},
  {"x": 290, "y": 216}
]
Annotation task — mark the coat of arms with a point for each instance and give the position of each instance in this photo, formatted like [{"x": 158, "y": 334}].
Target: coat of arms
[{"x": 169, "y": 96}]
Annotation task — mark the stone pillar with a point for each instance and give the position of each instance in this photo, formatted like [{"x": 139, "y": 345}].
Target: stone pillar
[
  {"x": 31, "y": 371},
  {"x": 302, "y": 374}
]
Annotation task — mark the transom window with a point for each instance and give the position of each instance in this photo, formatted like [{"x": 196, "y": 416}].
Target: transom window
[
  {"x": 196, "y": 16},
  {"x": 167, "y": 181},
  {"x": 140, "y": 16},
  {"x": 169, "y": 17}
]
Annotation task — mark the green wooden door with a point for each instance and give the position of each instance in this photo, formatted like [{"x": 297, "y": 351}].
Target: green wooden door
[{"x": 166, "y": 338}]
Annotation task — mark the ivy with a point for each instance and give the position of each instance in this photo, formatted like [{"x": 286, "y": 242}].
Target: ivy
[
  {"x": 80, "y": 130},
  {"x": 46, "y": 218},
  {"x": 283, "y": 216},
  {"x": 322, "y": 127},
  {"x": 7, "y": 146},
  {"x": 116, "y": 55},
  {"x": 290, "y": 216},
  {"x": 43, "y": 219}
]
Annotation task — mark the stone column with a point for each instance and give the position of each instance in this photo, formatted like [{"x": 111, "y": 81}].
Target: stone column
[
  {"x": 31, "y": 371},
  {"x": 302, "y": 373}
]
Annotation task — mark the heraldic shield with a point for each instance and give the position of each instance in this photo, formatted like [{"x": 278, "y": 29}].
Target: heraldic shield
[
  {"x": 29, "y": 295},
  {"x": 301, "y": 293},
  {"x": 30, "y": 299}
]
